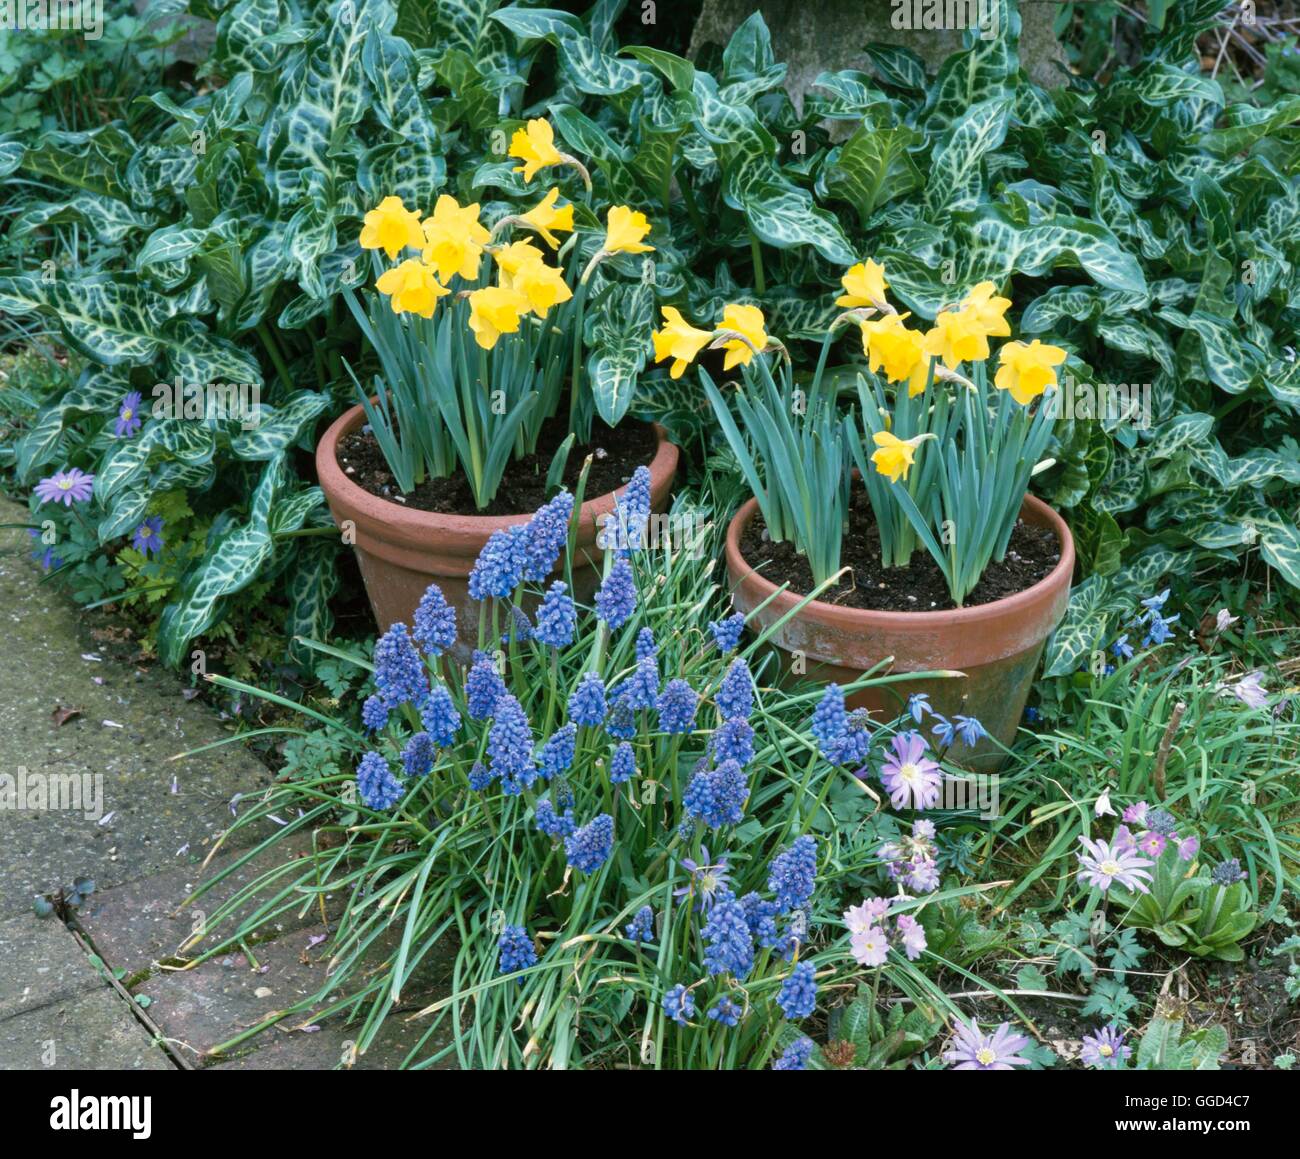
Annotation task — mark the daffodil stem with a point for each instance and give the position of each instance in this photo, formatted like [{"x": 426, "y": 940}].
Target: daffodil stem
[
  {"x": 273, "y": 349},
  {"x": 760, "y": 282},
  {"x": 575, "y": 370}
]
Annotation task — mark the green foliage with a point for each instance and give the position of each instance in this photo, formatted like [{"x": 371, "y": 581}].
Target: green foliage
[{"x": 1164, "y": 1046}]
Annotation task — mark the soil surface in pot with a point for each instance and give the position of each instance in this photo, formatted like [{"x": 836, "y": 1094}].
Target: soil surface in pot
[
  {"x": 618, "y": 452},
  {"x": 919, "y": 587}
]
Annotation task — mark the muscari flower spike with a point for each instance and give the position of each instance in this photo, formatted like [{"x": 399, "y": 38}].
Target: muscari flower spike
[
  {"x": 557, "y": 619},
  {"x": 374, "y": 712},
  {"x": 399, "y": 672},
  {"x": 439, "y": 716},
  {"x": 500, "y": 565},
  {"x": 588, "y": 848},
  {"x": 557, "y": 752},
  {"x": 679, "y": 1004},
  {"x": 728, "y": 944},
  {"x": 516, "y": 950},
  {"x": 587, "y": 701},
  {"x": 645, "y": 644},
  {"x": 622, "y": 765},
  {"x": 733, "y": 740},
  {"x": 546, "y": 535},
  {"x": 792, "y": 874},
  {"x": 616, "y": 597},
  {"x": 726, "y": 1011},
  {"x": 726, "y": 633},
  {"x": 735, "y": 697},
  {"x": 642, "y": 688},
  {"x": 434, "y": 622},
  {"x": 376, "y": 785},
  {"x": 483, "y": 685},
  {"x": 417, "y": 756},
  {"x": 795, "y": 1056},
  {"x": 798, "y": 996},
  {"x": 677, "y": 704},
  {"x": 642, "y": 927},
  {"x": 550, "y": 822},
  {"x": 717, "y": 796},
  {"x": 829, "y": 720},
  {"x": 510, "y": 746}
]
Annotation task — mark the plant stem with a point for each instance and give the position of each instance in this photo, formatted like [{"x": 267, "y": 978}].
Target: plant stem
[{"x": 760, "y": 282}]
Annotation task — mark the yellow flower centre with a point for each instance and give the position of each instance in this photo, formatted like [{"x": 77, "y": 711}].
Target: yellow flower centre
[
  {"x": 1105, "y": 1051},
  {"x": 1109, "y": 868},
  {"x": 985, "y": 1056},
  {"x": 909, "y": 772}
]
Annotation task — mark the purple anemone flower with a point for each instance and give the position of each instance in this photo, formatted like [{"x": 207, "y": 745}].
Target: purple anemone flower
[
  {"x": 128, "y": 416},
  {"x": 66, "y": 487},
  {"x": 972, "y": 1049},
  {"x": 1105, "y": 865},
  {"x": 148, "y": 539},
  {"x": 1105, "y": 1050},
  {"x": 911, "y": 778},
  {"x": 707, "y": 878}
]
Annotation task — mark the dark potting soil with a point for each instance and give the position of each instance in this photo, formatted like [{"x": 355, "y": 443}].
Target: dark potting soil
[
  {"x": 918, "y": 587},
  {"x": 616, "y": 452}
]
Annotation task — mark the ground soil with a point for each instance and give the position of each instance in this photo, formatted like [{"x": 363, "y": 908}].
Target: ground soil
[
  {"x": 919, "y": 587},
  {"x": 616, "y": 452}
]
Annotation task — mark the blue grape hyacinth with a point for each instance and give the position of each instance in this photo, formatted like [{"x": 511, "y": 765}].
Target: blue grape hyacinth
[
  {"x": 829, "y": 720},
  {"x": 726, "y": 633},
  {"x": 679, "y": 1004},
  {"x": 733, "y": 740},
  {"x": 616, "y": 597},
  {"x": 728, "y": 944},
  {"x": 792, "y": 874},
  {"x": 545, "y": 537},
  {"x": 557, "y": 752},
  {"x": 588, "y": 848},
  {"x": 622, "y": 765},
  {"x": 557, "y": 618},
  {"x": 717, "y": 796},
  {"x": 587, "y": 701},
  {"x": 417, "y": 756},
  {"x": 399, "y": 671},
  {"x": 735, "y": 696},
  {"x": 677, "y": 704},
  {"x": 439, "y": 716},
  {"x": 483, "y": 685},
  {"x": 500, "y": 565},
  {"x": 795, "y": 1056},
  {"x": 550, "y": 822},
  {"x": 376, "y": 785},
  {"x": 645, "y": 644},
  {"x": 434, "y": 622},
  {"x": 510, "y": 746},
  {"x": 798, "y": 996},
  {"x": 516, "y": 950},
  {"x": 642, "y": 927}
]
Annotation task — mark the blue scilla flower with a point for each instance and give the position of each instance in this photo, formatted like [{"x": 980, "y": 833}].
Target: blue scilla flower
[
  {"x": 761, "y": 915},
  {"x": 616, "y": 597},
  {"x": 557, "y": 618},
  {"x": 1156, "y": 603},
  {"x": 679, "y": 1004},
  {"x": 726, "y": 1011},
  {"x": 480, "y": 777},
  {"x": 733, "y": 740},
  {"x": 798, "y": 996},
  {"x": 552, "y": 823},
  {"x": 587, "y": 701},
  {"x": 417, "y": 756},
  {"x": 483, "y": 685},
  {"x": 944, "y": 731},
  {"x": 557, "y": 752},
  {"x": 588, "y": 848},
  {"x": 621, "y": 723},
  {"x": 1122, "y": 649},
  {"x": 500, "y": 565},
  {"x": 641, "y": 690},
  {"x": 795, "y": 1056},
  {"x": 1158, "y": 630},
  {"x": 399, "y": 671},
  {"x": 854, "y": 743},
  {"x": 717, "y": 796},
  {"x": 374, "y": 713},
  {"x": 439, "y": 716},
  {"x": 642, "y": 927},
  {"x": 726, "y": 633},
  {"x": 645, "y": 644},
  {"x": 1033, "y": 714},
  {"x": 792, "y": 872},
  {"x": 376, "y": 785},
  {"x": 677, "y": 704},
  {"x": 829, "y": 720},
  {"x": 969, "y": 729},
  {"x": 918, "y": 704},
  {"x": 622, "y": 766},
  {"x": 434, "y": 622},
  {"x": 728, "y": 944},
  {"x": 510, "y": 746},
  {"x": 736, "y": 692},
  {"x": 517, "y": 951},
  {"x": 546, "y": 534}
]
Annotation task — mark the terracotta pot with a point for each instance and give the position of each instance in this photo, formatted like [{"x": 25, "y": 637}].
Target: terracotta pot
[
  {"x": 402, "y": 551},
  {"x": 996, "y": 647}
]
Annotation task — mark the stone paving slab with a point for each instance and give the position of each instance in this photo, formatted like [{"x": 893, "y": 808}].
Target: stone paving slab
[
  {"x": 94, "y": 1031},
  {"x": 141, "y": 824},
  {"x": 139, "y": 924},
  {"x": 43, "y": 965},
  {"x": 207, "y": 1006}
]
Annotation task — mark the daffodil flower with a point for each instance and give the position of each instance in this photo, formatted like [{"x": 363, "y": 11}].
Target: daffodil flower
[
  {"x": 391, "y": 227},
  {"x": 545, "y": 217},
  {"x": 957, "y": 337},
  {"x": 624, "y": 229},
  {"x": 678, "y": 340},
  {"x": 864, "y": 285},
  {"x": 1027, "y": 371},
  {"x": 988, "y": 310},
  {"x": 741, "y": 334},
  {"x": 495, "y": 310},
  {"x": 888, "y": 343},
  {"x": 411, "y": 288},
  {"x": 534, "y": 145},
  {"x": 454, "y": 239},
  {"x": 896, "y": 456}
]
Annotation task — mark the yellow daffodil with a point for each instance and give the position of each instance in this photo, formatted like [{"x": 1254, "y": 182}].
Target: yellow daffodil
[
  {"x": 391, "y": 227},
  {"x": 545, "y": 217},
  {"x": 988, "y": 310},
  {"x": 957, "y": 337},
  {"x": 895, "y": 457},
  {"x": 1027, "y": 371},
  {"x": 888, "y": 343},
  {"x": 747, "y": 321},
  {"x": 454, "y": 239},
  {"x": 544, "y": 286},
  {"x": 864, "y": 285},
  {"x": 513, "y": 257},
  {"x": 535, "y": 147},
  {"x": 624, "y": 229},
  {"x": 495, "y": 310},
  {"x": 411, "y": 288},
  {"x": 678, "y": 340}
]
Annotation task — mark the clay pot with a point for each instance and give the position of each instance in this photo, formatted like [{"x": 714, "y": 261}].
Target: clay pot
[
  {"x": 402, "y": 551},
  {"x": 996, "y": 647}
]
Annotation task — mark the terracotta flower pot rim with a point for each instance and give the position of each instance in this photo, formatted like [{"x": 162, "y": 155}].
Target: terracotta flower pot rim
[
  {"x": 857, "y": 618},
  {"x": 410, "y": 523}
]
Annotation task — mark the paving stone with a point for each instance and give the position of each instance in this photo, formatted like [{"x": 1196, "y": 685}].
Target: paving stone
[
  {"x": 209, "y": 1005},
  {"x": 95, "y": 1031},
  {"x": 41, "y": 964},
  {"x": 136, "y": 925},
  {"x": 41, "y": 667}
]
